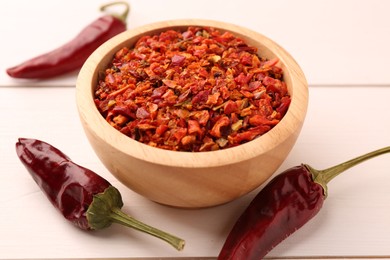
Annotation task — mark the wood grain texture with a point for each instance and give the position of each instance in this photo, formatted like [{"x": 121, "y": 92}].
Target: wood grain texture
[{"x": 182, "y": 179}]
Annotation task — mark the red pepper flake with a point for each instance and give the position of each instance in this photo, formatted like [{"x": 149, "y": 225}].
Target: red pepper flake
[
  {"x": 196, "y": 90},
  {"x": 142, "y": 113},
  {"x": 178, "y": 60},
  {"x": 230, "y": 107},
  {"x": 216, "y": 130},
  {"x": 194, "y": 127}
]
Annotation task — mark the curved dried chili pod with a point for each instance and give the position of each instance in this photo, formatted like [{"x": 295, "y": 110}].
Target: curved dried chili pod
[
  {"x": 82, "y": 196},
  {"x": 283, "y": 206},
  {"x": 72, "y": 55}
]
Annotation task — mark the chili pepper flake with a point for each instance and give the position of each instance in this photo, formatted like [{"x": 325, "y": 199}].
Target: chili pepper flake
[{"x": 197, "y": 90}]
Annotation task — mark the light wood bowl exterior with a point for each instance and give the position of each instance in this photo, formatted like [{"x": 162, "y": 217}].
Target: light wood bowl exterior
[{"x": 185, "y": 179}]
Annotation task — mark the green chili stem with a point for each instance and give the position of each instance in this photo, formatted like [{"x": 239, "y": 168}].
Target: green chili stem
[
  {"x": 323, "y": 177},
  {"x": 119, "y": 217},
  {"x": 105, "y": 209},
  {"x": 122, "y": 16}
]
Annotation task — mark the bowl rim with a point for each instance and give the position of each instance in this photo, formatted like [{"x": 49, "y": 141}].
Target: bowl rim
[{"x": 290, "y": 124}]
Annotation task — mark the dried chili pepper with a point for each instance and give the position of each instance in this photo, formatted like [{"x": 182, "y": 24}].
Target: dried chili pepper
[
  {"x": 72, "y": 55},
  {"x": 83, "y": 197},
  {"x": 284, "y": 205}
]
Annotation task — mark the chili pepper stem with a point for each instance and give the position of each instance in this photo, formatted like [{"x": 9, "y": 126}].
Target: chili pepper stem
[
  {"x": 323, "y": 177},
  {"x": 119, "y": 217},
  {"x": 122, "y": 16},
  {"x": 105, "y": 209}
]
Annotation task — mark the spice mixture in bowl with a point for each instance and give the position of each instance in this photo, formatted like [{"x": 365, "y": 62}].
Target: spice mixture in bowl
[
  {"x": 160, "y": 103},
  {"x": 193, "y": 90}
]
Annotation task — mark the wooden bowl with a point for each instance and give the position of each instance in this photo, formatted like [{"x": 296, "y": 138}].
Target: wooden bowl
[{"x": 191, "y": 179}]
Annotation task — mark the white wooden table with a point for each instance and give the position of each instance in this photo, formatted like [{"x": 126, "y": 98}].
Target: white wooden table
[{"x": 343, "y": 48}]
